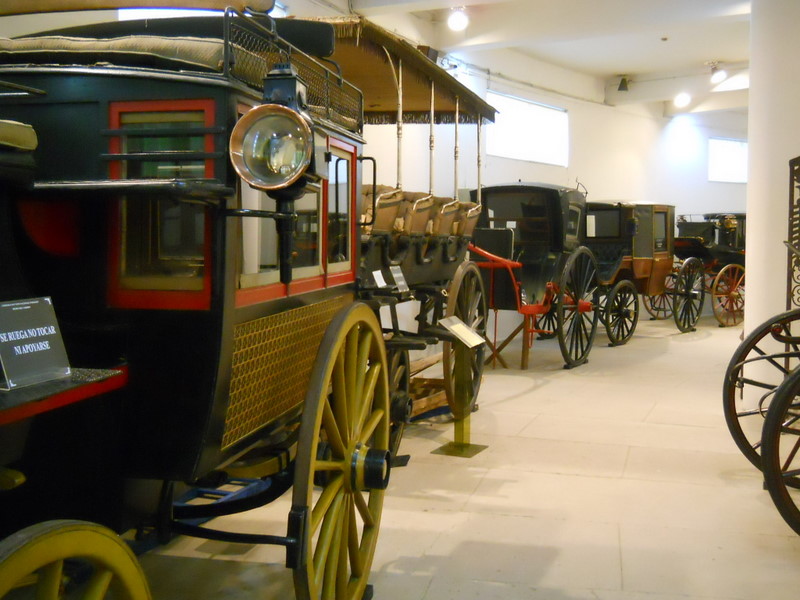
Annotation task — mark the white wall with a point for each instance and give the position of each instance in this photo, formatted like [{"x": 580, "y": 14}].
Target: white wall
[{"x": 626, "y": 153}]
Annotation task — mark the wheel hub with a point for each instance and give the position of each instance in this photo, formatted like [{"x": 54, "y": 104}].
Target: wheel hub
[
  {"x": 585, "y": 306},
  {"x": 369, "y": 468}
]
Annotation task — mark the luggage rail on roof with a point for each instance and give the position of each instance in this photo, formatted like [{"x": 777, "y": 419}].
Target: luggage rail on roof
[{"x": 249, "y": 49}]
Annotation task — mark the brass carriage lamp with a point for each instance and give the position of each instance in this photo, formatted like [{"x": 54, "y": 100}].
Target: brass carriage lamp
[{"x": 273, "y": 145}]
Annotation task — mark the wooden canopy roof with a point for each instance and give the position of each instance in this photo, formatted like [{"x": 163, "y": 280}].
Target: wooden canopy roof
[
  {"x": 363, "y": 50},
  {"x": 20, "y": 7}
]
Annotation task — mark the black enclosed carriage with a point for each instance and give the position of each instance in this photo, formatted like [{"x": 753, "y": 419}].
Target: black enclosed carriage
[
  {"x": 529, "y": 246},
  {"x": 718, "y": 241},
  {"x": 195, "y": 217}
]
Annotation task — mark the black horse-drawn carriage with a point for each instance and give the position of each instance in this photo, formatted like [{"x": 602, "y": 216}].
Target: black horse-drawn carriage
[
  {"x": 193, "y": 210},
  {"x": 564, "y": 264},
  {"x": 718, "y": 242}
]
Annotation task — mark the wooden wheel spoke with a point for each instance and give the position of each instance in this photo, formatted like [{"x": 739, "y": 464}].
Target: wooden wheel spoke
[
  {"x": 327, "y": 541},
  {"x": 370, "y": 426},
  {"x": 98, "y": 585},
  {"x": 363, "y": 509},
  {"x": 353, "y": 543},
  {"x": 325, "y": 502},
  {"x": 49, "y": 585},
  {"x": 368, "y": 393},
  {"x": 364, "y": 346},
  {"x": 331, "y": 427},
  {"x": 791, "y": 455}
]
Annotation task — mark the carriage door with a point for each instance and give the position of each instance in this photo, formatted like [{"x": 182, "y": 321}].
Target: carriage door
[{"x": 340, "y": 219}]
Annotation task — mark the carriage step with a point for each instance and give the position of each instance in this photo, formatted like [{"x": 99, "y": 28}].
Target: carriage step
[
  {"x": 194, "y": 506},
  {"x": 408, "y": 342}
]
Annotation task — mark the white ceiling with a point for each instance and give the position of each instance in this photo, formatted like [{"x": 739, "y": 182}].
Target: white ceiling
[{"x": 664, "y": 46}]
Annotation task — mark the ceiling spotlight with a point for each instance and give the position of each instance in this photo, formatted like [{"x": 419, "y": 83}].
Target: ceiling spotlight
[
  {"x": 717, "y": 75},
  {"x": 682, "y": 100},
  {"x": 458, "y": 19},
  {"x": 623, "y": 84}
]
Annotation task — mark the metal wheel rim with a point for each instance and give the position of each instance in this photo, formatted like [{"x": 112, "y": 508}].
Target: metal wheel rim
[
  {"x": 576, "y": 330},
  {"x": 689, "y": 294},
  {"x": 621, "y": 312},
  {"x": 727, "y": 295},
  {"x": 347, "y": 405},
  {"x": 463, "y": 367},
  {"x": 756, "y": 369},
  {"x": 780, "y": 458},
  {"x": 45, "y": 547}
]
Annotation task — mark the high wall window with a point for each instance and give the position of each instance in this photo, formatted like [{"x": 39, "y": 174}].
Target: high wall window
[
  {"x": 525, "y": 130},
  {"x": 727, "y": 160}
]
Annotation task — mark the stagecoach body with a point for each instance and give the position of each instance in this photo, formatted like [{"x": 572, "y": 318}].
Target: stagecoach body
[{"x": 133, "y": 206}]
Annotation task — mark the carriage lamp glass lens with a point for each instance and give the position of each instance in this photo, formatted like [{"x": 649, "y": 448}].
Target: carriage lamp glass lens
[{"x": 271, "y": 148}]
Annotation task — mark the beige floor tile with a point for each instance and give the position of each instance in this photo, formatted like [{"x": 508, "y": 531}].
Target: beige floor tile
[
  {"x": 709, "y": 563},
  {"x": 542, "y": 552}
]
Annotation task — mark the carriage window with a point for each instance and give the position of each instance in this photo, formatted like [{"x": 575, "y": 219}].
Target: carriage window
[
  {"x": 339, "y": 212},
  {"x": 660, "y": 226},
  {"x": 163, "y": 244},
  {"x": 574, "y": 221},
  {"x": 307, "y": 234},
  {"x": 602, "y": 223},
  {"x": 259, "y": 241},
  {"x": 154, "y": 142}
]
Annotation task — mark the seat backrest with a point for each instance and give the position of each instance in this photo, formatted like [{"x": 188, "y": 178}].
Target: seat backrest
[
  {"x": 419, "y": 210},
  {"x": 387, "y": 208},
  {"x": 445, "y": 215},
  {"x": 468, "y": 218}
]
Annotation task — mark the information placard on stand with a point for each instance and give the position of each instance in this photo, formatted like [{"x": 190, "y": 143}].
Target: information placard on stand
[{"x": 31, "y": 348}]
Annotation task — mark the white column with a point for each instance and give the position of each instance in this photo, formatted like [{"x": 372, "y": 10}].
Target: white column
[{"x": 774, "y": 139}]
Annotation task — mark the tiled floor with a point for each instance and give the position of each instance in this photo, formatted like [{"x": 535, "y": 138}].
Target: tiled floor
[{"x": 615, "y": 480}]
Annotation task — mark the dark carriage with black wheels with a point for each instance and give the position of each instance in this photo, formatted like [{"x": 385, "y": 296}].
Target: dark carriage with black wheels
[
  {"x": 718, "y": 242},
  {"x": 528, "y": 244},
  {"x": 187, "y": 192},
  {"x": 633, "y": 244}
]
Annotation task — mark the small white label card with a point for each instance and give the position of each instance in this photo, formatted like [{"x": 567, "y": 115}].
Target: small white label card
[
  {"x": 378, "y": 277},
  {"x": 462, "y": 331},
  {"x": 399, "y": 278}
]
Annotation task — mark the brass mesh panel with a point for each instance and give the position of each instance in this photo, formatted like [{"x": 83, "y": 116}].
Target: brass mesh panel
[{"x": 272, "y": 361}]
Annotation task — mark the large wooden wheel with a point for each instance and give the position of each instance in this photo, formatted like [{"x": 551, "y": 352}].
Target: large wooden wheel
[
  {"x": 463, "y": 367},
  {"x": 758, "y": 366},
  {"x": 43, "y": 555},
  {"x": 342, "y": 466},
  {"x": 780, "y": 453},
  {"x": 576, "y": 309},
  {"x": 727, "y": 295},
  {"x": 659, "y": 306},
  {"x": 689, "y": 294},
  {"x": 621, "y": 312}
]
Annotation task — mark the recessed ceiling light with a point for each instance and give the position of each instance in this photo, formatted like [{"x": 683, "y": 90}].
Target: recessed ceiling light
[
  {"x": 682, "y": 100},
  {"x": 457, "y": 20}
]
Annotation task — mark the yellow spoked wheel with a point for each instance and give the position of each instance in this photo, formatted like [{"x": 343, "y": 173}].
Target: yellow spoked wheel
[
  {"x": 727, "y": 295},
  {"x": 342, "y": 466},
  {"x": 35, "y": 558}
]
